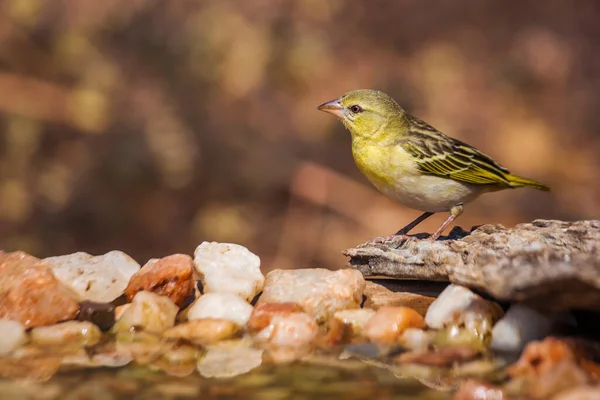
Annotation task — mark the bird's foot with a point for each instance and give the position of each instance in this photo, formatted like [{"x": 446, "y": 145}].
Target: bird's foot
[{"x": 385, "y": 239}]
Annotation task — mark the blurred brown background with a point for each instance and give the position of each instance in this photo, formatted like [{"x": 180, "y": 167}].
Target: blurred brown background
[{"x": 151, "y": 125}]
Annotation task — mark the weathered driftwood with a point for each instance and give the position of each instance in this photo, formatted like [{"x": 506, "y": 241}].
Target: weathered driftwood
[{"x": 551, "y": 264}]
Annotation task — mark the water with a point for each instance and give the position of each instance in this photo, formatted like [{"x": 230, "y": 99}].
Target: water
[{"x": 349, "y": 380}]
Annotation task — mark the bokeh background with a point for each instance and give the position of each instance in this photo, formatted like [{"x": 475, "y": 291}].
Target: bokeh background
[{"x": 151, "y": 125}]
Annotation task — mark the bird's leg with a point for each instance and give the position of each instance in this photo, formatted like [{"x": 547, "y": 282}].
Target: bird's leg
[
  {"x": 454, "y": 213},
  {"x": 402, "y": 232}
]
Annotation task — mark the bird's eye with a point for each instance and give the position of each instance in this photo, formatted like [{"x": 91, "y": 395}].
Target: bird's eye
[{"x": 356, "y": 108}]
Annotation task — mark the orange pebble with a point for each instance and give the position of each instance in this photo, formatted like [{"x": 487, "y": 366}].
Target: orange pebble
[{"x": 388, "y": 323}]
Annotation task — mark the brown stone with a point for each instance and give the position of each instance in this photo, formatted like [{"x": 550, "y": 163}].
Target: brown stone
[
  {"x": 380, "y": 296},
  {"x": 548, "y": 264},
  {"x": 389, "y": 323},
  {"x": 30, "y": 294},
  {"x": 554, "y": 365},
  {"x": 263, "y": 312},
  {"x": 171, "y": 276}
]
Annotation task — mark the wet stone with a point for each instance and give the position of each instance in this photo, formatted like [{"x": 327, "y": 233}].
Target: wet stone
[
  {"x": 319, "y": 292},
  {"x": 99, "y": 279},
  {"x": 230, "y": 268},
  {"x": 170, "y": 276},
  {"x": 263, "y": 312},
  {"x": 147, "y": 311},
  {"x": 71, "y": 332},
  {"x": 227, "y": 306},
  {"x": 30, "y": 294},
  {"x": 203, "y": 331},
  {"x": 12, "y": 335}
]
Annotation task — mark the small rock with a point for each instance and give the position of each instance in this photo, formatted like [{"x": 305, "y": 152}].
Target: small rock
[
  {"x": 453, "y": 305},
  {"x": 13, "y": 336},
  {"x": 292, "y": 330},
  {"x": 148, "y": 311},
  {"x": 221, "y": 305},
  {"x": 441, "y": 357},
  {"x": 170, "y": 276},
  {"x": 263, "y": 312},
  {"x": 379, "y": 296},
  {"x": 553, "y": 365},
  {"x": 320, "y": 292},
  {"x": 99, "y": 279},
  {"x": 389, "y": 323},
  {"x": 30, "y": 294},
  {"x": 356, "y": 318},
  {"x": 228, "y": 362},
  {"x": 230, "y": 268},
  {"x": 71, "y": 332},
  {"x": 416, "y": 339},
  {"x": 465, "y": 316},
  {"x": 519, "y": 326},
  {"x": 203, "y": 331}
]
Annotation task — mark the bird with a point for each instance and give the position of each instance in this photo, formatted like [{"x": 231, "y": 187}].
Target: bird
[{"x": 415, "y": 164}]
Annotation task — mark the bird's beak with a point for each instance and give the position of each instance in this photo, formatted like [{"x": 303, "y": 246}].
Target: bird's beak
[{"x": 333, "y": 107}]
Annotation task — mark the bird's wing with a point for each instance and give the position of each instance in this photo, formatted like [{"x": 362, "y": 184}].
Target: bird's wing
[{"x": 440, "y": 155}]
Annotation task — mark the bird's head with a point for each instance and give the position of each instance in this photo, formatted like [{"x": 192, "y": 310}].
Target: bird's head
[{"x": 367, "y": 113}]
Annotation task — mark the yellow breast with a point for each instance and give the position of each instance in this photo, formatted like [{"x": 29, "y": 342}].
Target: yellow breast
[
  {"x": 382, "y": 164},
  {"x": 393, "y": 172}
]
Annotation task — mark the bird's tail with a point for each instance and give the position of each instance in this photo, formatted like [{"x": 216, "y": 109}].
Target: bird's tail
[{"x": 517, "y": 181}]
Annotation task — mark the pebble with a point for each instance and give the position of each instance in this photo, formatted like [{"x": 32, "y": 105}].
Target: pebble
[
  {"x": 320, "y": 292},
  {"x": 457, "y": 304},
  {"x": 30, "y": 294},
  {"x": 292, "y": 330},
  {"x": 95, "y": 278},
  {"x": 229, "y": 268},
  {"x": 148, "y": 311},
  {"x": 356, "y": 318},
  {"x": 71, "y": 332},
  {"x": 519, "y": 326},
  {"x": 388, "y": 323},
  {"x": 12, "y": 336},
  {"x": 227, "y": 306},
  {"x": 170, "y": 276},
  {"x": 263, "y": 312},
  {"x": 203, "y": 331}
]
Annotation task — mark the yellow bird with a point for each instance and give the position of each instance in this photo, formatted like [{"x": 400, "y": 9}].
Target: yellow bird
[{"x": 413, "y": 163}]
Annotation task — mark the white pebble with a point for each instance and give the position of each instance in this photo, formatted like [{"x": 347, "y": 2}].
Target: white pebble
[
  {"x": 519, "y": 326},
  {"x": 101, "y": 278},
  {"x": 12, "y": 335},
  {"x": 458, "y": 304},
  {"x": 230, "y": 268},
  {"x": 227, "y": 306}
]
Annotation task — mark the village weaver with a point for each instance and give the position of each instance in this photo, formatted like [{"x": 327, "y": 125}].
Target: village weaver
[{"x": 413, "y": 163}]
